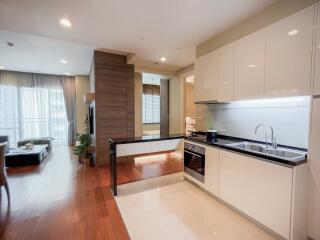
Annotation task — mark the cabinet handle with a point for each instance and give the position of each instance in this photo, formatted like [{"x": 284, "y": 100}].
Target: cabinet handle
[{"x": 198, "y": 155}]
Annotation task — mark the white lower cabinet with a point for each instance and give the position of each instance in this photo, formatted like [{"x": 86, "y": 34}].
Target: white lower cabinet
[
  {"x": 271, "y": 194},
  {"x": 259, "y": 189},
  {"x": 212, "y": 165}
]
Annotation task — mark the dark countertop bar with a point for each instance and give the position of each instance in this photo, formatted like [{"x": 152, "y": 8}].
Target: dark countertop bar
[
  {"x": 113, "y": 142},
  {"x": 149, "y": 138}
]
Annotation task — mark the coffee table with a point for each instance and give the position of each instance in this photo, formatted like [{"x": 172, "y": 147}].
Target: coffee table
[{"x": 22, "y": 157}]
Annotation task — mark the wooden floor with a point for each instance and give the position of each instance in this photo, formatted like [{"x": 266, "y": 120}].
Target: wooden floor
[{"x": 61, "y": 199}]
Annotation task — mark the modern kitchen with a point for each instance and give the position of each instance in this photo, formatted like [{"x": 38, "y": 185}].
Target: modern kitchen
[
  {"x": 189, "y": 120},
  {"x": 255, "y": 150}
]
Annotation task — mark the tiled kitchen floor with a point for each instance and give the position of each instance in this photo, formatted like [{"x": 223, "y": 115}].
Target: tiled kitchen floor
[{"x": 170, "y": 208}]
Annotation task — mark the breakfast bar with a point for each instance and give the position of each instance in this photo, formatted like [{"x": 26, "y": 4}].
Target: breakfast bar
[{"x": 120, "y": 147}]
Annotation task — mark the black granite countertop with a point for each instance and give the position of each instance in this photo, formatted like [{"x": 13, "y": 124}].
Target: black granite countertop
[
  {"x": 223, "y": 141},
  {"x": 149, "y": 138}
]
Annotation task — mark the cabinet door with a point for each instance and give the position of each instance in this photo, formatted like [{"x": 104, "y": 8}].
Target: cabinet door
[
  {"x": 206, "y": 78},
  {"x": 316, "y": 90},
  {"x": 314, "y": 162},
  {"x": 249, "y": 69},
  {"x": 212, "y": 165},
  {"x": 226, "y": 73},
  {"x": 260, "y": 189},
  {"x": 288, "y": 55}
]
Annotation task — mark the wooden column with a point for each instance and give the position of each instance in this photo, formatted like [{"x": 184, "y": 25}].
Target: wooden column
[{"x": 114, "y": 101}]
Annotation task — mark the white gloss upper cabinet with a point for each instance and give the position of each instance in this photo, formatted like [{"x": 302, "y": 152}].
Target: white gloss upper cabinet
[
  {"x": 212, "y": 165},
  {"x": 249, "y": 66},
  {"x": 288, "y": 55},
  {"x": 226, "y": 73},
  {"x": 316, "y": 85},
  {"x": 206, "y": 78}
]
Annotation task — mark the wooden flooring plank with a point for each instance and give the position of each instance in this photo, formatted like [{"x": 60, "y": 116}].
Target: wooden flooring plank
[{"x": 61, "y": 199}]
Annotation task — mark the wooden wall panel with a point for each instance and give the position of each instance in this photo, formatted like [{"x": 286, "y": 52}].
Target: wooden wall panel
[{"x": 114, "y": 101}]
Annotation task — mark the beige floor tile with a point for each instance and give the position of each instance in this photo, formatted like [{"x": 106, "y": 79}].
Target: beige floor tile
[{"x": 170, "y": 208}]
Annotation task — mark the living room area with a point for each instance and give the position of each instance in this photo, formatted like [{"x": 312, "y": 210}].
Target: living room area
[
  {"x": 38, "y": 111},
  {"x": 51, "y": 179}
]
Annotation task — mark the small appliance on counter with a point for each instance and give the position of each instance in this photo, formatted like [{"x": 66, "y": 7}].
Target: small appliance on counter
[
  {"x": 190, "y": 125},
  {"x": 212, "y": 135}
]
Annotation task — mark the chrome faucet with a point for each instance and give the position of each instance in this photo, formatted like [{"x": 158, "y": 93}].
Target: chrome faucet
[{"x": 273, "y": 141}]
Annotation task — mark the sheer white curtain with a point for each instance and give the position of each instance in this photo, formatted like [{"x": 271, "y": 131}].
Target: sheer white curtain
[
  {"x": 31, "y": 106},
  {"x": 151, "y": 104}
]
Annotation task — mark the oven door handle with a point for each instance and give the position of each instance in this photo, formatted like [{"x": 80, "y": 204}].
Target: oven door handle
[{"x": 198, "y": 155}]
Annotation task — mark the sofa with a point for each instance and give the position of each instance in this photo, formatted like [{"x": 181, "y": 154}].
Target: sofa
[{"x": 37, "y": 141}]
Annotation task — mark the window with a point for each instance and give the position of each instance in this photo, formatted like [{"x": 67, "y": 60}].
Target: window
[
  {"x": 32, "y": 108},
  {"x": 151, "y": 104}
]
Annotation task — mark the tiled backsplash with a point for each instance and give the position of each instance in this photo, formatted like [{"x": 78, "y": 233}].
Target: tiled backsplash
[{"x": 288, "y": 116}]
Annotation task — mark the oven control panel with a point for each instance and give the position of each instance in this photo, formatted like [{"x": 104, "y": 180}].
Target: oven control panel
[{"x": 194, "y": 148}]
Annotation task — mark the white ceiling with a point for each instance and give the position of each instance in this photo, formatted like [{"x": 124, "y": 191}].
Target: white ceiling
[
  {"x": 43, "y": 55},
  {"x": 148, "y": 28}
]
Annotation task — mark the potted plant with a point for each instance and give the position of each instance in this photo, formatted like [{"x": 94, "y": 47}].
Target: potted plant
[{"x": 83, "y": 142}]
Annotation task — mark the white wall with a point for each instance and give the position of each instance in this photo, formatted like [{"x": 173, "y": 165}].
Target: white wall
[
  {"x": 288, "y": 116},
  {"x": 176, "y": 105},
  {"x": 82, "y": 86}
]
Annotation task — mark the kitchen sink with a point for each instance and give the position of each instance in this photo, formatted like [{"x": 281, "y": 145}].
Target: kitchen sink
[
  {"x": 282, "y": 153},
  {"x": 248, "y": 146}
]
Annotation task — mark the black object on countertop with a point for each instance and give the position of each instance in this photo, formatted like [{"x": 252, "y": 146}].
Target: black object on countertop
[{"x": 212, "y": 135}]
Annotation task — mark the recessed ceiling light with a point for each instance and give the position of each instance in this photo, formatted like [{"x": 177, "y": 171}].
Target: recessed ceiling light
[
  {"x": 163, "y": 59},
  {"x": 2, "y": 67},
  {"x": 67, "y": 73},
  {"x": 252, "y": 65},
  {"x": 65, "y": 22},
  {"x": 63, "y": 61},
  {"x": 178, "y": 47},
  {"x": 293, "y": 32}
]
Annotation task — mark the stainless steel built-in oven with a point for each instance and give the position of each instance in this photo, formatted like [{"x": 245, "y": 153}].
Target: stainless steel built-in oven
[{"x": 194, "y": 161}]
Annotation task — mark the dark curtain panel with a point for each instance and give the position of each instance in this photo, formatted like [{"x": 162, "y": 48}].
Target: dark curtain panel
[{"x": 69, "y": 92}]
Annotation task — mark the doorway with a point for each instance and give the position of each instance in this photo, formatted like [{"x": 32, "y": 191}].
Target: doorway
[
  {"x": 155, "y": 110},
  {"x": 190, "y": 107}
]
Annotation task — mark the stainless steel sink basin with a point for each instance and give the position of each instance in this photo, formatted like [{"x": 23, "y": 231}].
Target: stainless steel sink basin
[
  {"x": 248, "y": 146},
  {"x": 286, "y": 154},
  {"x": 282, "y": 153}
]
